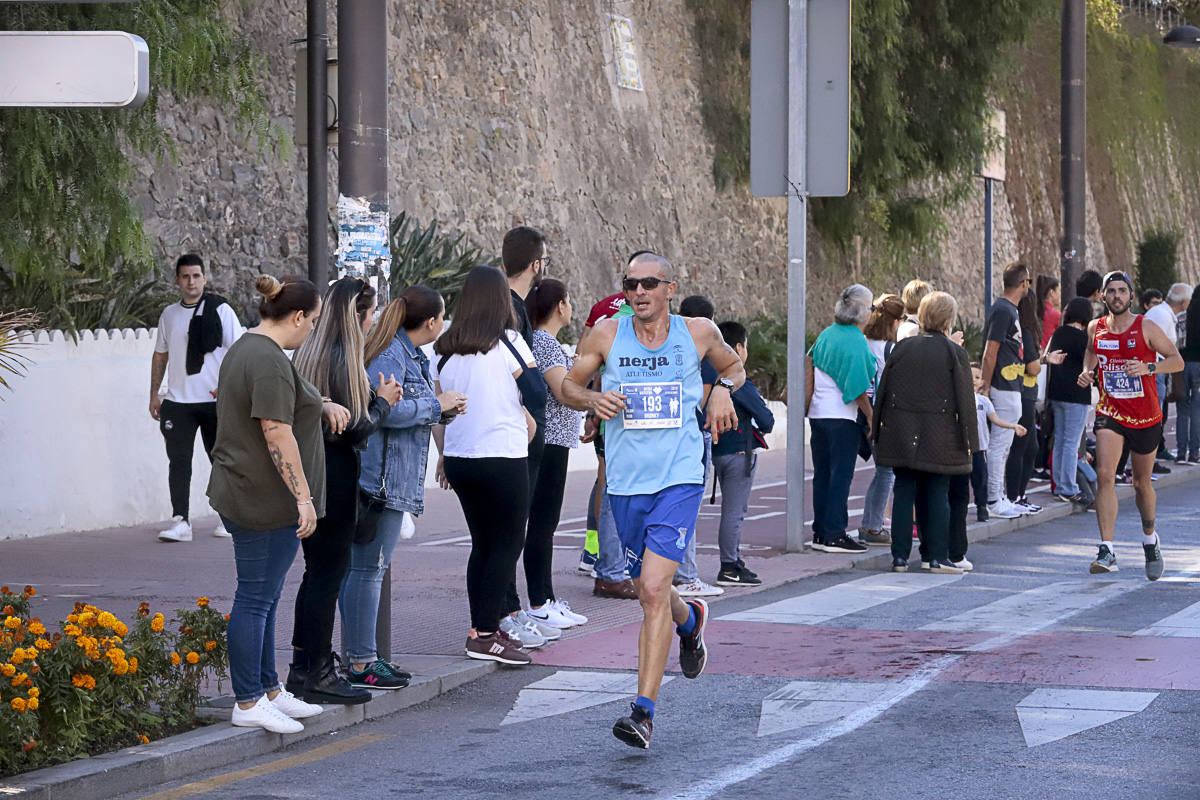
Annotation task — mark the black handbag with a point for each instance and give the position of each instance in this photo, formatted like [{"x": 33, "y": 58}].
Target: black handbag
[{"x": 370, "y": 506}]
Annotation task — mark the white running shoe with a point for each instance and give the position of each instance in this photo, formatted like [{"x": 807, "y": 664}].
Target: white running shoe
[
  {"x": 220, "y": 531},
  {"x": 181, "y": 531},
  {"x": 1004, "y": 509},
  {"x": 549, "y": 614},
  {"x": 964, "y": 565},
  {"x": 564, "y": 609},
  {"x": 293, "y": 706},
  {"x": 548, "y": 632},
  {"x": 698, "y": 588},
  {"x": 264, "y": 715}
]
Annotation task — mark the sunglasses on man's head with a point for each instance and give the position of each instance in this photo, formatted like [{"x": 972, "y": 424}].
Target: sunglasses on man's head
[{"x": 649, "y": 284}]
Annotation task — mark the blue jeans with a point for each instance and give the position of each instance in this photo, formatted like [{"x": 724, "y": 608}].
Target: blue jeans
[
  {"x": 358, "y": 600},
  {"x": 610, "y": 562},
  {"x": 262, "y": 559},
  {"x": 834, "y": 450},
  {"x": 687, "y": 572},
  {"x": 1187, "y": 422},
  {"x": 878, "y": 494},
  {"x": 1069, "y": 421}
]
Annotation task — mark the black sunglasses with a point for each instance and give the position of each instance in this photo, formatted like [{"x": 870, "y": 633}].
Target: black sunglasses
[{"x": 649, "y": 284}]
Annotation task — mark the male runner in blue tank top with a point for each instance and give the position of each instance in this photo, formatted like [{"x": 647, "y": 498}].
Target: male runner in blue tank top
[{"x": 655, "y": 459}]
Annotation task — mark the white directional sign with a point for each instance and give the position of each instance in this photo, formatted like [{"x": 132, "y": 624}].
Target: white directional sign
[
  {"x": 1048, "y": 715},
  {"x": 571, "y": 691},
  {"x": 107, "y": 69}
]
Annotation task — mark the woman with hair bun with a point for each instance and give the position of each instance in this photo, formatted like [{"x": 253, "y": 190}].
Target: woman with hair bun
[
  {"x": 393, "y": 470},
  {"x": 268, "y": 485},
  {"x": 886, "y": 315}
]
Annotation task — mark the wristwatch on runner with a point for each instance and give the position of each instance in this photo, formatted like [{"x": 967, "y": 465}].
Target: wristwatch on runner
[
  {"x": 728, "y": 384},
  {"x": 1151, "y": 368}
]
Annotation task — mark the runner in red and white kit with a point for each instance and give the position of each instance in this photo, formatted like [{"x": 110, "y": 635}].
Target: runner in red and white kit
[{"x": 1121, "y": 353}]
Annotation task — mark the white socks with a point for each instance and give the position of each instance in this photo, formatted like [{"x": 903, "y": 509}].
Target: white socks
[{"x": 1151, "y": 538}]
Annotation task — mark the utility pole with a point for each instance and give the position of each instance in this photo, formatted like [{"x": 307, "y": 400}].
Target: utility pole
[
  {"x": 318, "y": 153},
  {"x": 1074, "y": 132},
  {"x": 363, "y": 163},
  {"x": 797, "y": 272}
]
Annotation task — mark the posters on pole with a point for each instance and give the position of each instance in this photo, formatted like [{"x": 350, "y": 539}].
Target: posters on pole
[{"x": 363, "y": 249}]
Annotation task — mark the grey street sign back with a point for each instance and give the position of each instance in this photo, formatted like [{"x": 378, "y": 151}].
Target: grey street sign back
[
  {"x": 106, "y": 69},
  {"x": 827, "y": 115}
]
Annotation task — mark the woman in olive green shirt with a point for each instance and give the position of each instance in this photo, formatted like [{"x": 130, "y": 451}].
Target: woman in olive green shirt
[{"x": 268, "y": 484}]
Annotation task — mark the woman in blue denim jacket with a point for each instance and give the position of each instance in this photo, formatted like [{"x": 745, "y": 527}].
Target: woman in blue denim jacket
[{"x": 393, "y": 467}]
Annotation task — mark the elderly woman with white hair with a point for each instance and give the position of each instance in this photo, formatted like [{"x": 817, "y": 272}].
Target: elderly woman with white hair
[{"x": 840, "y": 369}]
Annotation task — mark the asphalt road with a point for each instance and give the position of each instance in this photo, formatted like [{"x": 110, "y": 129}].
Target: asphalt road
[{"x": 1028, "y": 678}]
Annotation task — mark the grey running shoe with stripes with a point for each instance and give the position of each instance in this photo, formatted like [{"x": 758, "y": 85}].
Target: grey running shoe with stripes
[
  {"x": 1154, "y": 561},
  {"x": 1105, "y": 561},
  {"x": 635, "y": 729}
]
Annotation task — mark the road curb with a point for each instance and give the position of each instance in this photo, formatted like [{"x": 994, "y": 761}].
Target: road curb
[
  {"x": 150, "y": 765},
  {"x": 981, "y": 531}
]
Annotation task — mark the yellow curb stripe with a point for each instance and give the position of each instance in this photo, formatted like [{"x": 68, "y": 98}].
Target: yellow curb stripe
[{"x": 217, "y": 781}]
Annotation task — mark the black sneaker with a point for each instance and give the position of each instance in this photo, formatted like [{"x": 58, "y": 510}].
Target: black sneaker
[
  {"x": 635, "y": 729},
  {"x": 378, "y": 675},
  {"x": 692, "y": 653},
  {"x": 742, "y": 565},
  {"x": 842, "y": 544},
  {"x": 1161, "y": 469},
  {"x": 982, "y": 515},
  {"x": 325, "y": 685},
  {"x": 1154, "y": 561},
  {"x": 899, "y": 564},
  {"x": 734, "y": 575}
]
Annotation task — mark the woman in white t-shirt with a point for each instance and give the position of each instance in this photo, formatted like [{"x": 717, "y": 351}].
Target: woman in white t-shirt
[{"x": 484, "y": 451}]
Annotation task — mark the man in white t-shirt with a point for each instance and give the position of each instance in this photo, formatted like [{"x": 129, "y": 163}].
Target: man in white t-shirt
[
  {"x": 1165, "y": 315},
  {"x": 193, "y": 336}
]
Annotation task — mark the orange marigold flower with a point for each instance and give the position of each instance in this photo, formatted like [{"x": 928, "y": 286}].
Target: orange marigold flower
[
  {"x": 143, "y": 609},
  {"x": 35, "y": 692},
  {"x": 115, "y": 654},
  {"x": 193, "y": 657},
  {"x": 29, "y": 745},
  {"x": 12, "y": 623},
  {"x": 107, "y": 619},
  {"x": 144, "y": 739},
  {"x": 121, "y": 628},
  {"x": 78, "y": 680},
  {"x": 18, "y": 704},
  {"x": 133, "y": 664},
  {"x": 30, "y": 591},
  {"x": 87, "y": 619},
  {"x": 72, "y": 618},
  {"x": 37, "y": 628},
  {"x": 7, "y": 670},
  {"x": 20, "y": 679},
  {"x": 5, "y": 590},
  {"x": 8, "y": 610},
  {"x": 202, "y": 602},
  {"x": 92, "y": 609},
  {"x": 18, "y": 656},
  {"x": 227, "y": 618},
  {"x": 32, "y": 704},
  {"x": 73, "y": 630},
  {"x": 120, "y": 667},
  {"x": 175, "y": 659},
  {"x": 158, "y": 623},
  {"x": 210, "y": 646}
]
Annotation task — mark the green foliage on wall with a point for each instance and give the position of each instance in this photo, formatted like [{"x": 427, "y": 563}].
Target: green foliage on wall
[
  {"x": 1157, "y": 260},
  {"x": 72, "y": 244},
  {"x": 921, "y": 74}
]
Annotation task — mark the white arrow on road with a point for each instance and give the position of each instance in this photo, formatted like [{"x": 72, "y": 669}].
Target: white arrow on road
[
  {"x": 1048, "y": 715},
  {"x": 802, "y": 703},
  {"x": 571, "y": 691}
]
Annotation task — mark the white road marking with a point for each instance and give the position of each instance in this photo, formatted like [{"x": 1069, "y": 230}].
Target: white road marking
[
  {"x": 845, "y": 598},
  {"x": 1048, "y": 715},
  {"x": 571, "y": 691},
  {"x": 455, "y": 540},
  {"x": 764, "y": 515},
  {"x": 870, "y": 711},
  {"x": 1183, "y": 623},
  {"x": 803, "y": 703},
  {"x": 1018, "y": 611}
]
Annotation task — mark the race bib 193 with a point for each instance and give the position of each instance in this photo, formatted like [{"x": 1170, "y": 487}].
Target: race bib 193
[{"x": 653, "y": 405}]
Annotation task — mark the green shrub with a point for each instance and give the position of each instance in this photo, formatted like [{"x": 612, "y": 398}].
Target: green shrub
[
  {"x": 1157, "y": 260},
  {"x": 431, "y": 257}
]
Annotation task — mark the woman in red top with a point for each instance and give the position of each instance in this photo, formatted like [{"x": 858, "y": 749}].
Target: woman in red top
[
  {"x": 1121, "y": 356},
  {"x": 1049, "y": 296}
]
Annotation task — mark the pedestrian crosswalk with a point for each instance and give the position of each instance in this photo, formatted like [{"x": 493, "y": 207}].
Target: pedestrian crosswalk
[{"x": 846, "y": 598}]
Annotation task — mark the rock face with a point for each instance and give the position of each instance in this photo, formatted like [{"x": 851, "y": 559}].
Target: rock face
[{"x": 504, "y": 112}]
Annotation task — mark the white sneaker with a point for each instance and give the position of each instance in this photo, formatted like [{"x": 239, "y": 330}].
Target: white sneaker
[
  {"x": 1003, "y": 509},
  {"x": 220, "y": 531},
  {"x": 698, "y": 588},
  {"x": 181, "y": 531},
  {"x": 964, "y": 565},
  {"x": 292, "y": 706},
  {"x": 264, "y": 715},
  {"x": 550, "y": 615},
  {"x": 564, "y": 609},
  {"x": 548, "y": 632},
  {"x": 528, "y": 638}
]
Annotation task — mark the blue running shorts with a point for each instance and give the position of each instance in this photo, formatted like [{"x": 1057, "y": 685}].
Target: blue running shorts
[{"x": 663, "y": 522}]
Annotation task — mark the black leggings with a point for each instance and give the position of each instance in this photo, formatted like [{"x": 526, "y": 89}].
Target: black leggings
[
  {"x": 929, "y": 494},
  {"x": 494, "y": 495},
  {"x": 326, "y": 557},
  {"x": 544, "y": 510},
  {"x": 178, "y": 423},
  {"x": 1019, "y": 468}
]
